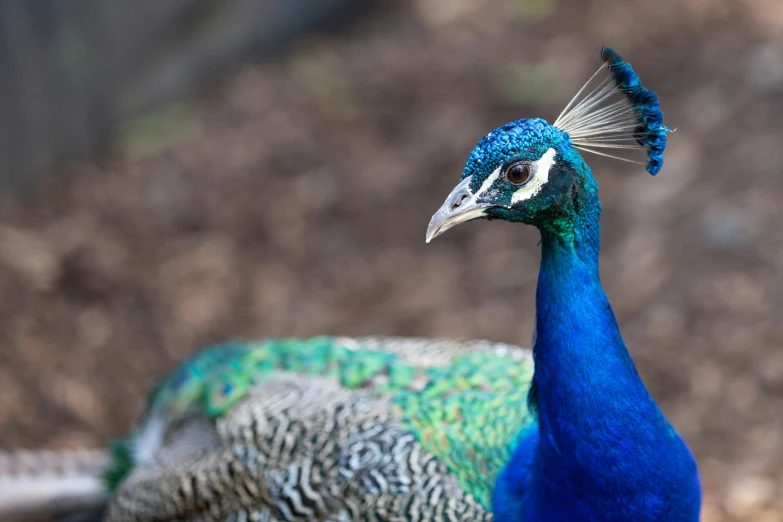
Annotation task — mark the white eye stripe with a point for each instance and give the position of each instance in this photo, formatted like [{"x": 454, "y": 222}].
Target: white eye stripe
[
  {"x": 540, "y": 178},
  {"x": 488, "y": 182}
]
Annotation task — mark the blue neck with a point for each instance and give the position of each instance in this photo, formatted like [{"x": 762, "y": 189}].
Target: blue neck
[
  {"x": 603, "y": 450},
  {"x": 586, "y": 382}
]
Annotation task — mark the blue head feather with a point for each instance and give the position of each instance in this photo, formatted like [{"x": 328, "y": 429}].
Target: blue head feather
[
  {"x": 532, "y": 136},
  {"x": 651, "y": 132}
]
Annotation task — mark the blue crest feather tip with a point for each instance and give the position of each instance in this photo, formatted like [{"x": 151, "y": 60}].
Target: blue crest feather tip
[{"x": 651, "y": 132}]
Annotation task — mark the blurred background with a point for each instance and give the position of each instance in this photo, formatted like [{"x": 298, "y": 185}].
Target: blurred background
[{"x": 179, "y": 173}]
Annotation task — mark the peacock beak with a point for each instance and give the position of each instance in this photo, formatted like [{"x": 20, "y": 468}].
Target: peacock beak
[{"x": 460, "y": 206}]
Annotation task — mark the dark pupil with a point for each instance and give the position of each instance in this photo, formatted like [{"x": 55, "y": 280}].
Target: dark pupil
[{"x": 518, "y": 173}]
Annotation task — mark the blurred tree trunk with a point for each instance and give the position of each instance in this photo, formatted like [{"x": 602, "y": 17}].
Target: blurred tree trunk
[{"x": 71, "y": 71}]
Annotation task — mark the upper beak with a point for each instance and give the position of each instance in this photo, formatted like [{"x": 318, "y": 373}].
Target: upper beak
[{"x": 460, "y": 206}]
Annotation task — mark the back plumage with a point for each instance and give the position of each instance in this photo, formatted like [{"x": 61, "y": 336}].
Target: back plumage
[
  {"x": 326, "y": 429},
  {"x": 316, "y": 429}
]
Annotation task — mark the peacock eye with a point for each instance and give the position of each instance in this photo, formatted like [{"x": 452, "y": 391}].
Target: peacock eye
[{"x": 518, "y": 173}]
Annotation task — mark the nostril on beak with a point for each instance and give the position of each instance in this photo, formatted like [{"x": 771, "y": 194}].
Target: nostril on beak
[{"x": 459, "y": 201}]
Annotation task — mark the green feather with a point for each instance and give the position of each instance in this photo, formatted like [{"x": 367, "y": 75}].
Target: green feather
[
  {"x": 469, "y": 415},
  {"x": 120, "y": 465},
  {"x": 466, "y": 411}
]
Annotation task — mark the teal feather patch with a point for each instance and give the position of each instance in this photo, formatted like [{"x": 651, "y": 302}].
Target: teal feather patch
[{"x": 219, "y": 377}]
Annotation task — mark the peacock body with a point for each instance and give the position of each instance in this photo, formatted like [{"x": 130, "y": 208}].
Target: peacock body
[
  {"x": 327, "y": 429},
  {"x": 395, "y": 429}
]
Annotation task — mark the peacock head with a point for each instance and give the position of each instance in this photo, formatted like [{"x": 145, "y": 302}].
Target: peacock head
[{"x": 532, "y": 172}]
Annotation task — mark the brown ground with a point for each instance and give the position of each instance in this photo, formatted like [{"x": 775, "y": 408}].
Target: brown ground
[{"x": 294, "y": 200}]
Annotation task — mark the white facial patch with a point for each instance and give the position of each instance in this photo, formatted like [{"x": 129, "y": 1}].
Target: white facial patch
[
  {"x": 487, "y": 183},
  {"x": 540, "y": 178}
]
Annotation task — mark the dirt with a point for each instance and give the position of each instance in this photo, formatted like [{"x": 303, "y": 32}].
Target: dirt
[{"x": 292, "y": 200}]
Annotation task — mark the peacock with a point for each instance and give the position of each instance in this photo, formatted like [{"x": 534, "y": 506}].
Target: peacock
[{"x": 405, "y": 429}]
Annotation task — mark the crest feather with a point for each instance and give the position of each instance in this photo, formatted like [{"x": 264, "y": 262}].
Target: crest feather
[{"x": 618, "y": 113}]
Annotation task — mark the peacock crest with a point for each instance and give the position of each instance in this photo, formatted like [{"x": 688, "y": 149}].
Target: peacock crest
[{"x": 613, "y": 110}]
